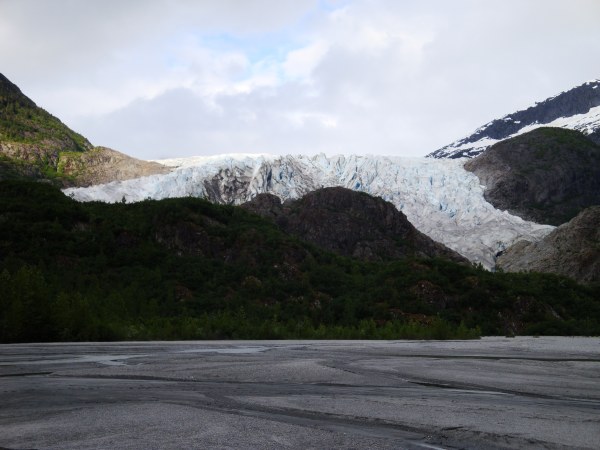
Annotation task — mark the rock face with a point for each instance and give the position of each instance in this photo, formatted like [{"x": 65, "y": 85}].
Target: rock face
[
  {"x": 576, "y": 109},
  {"x": 573, "y": 250},
  {"x": 547, "y": 175},
  {"x": 103, "y": 165},
  {"x": 350, "y": 223}
]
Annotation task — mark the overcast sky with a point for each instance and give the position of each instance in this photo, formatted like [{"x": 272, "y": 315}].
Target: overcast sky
[{"x": 166, "y": 78}]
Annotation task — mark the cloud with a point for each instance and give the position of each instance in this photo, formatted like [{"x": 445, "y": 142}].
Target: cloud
[
  {"x": 164, "y": 78},
  {"x": 301, "y": 63}
]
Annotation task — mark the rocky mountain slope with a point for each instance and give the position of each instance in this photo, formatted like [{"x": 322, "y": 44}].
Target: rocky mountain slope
[
  {"x": 103, "y": 165},
  {"x": 350, "y": 223},
  {"x": 546, "y": 175},
  {"x": 439, "y": 197},
  {"x": 35, "y": 144},
  {"x": 573, "y": 250},
  {"x": 30, "y": 136},
  {"x": 576, "y": 109}
]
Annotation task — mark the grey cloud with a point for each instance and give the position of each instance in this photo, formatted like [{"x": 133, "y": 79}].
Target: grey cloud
[
  {"x": 69, "y": 39},
  {"x": 179, "y": 123}
]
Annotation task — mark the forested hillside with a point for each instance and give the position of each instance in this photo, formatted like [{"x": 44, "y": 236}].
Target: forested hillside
[{"x": 189, "y": 269}]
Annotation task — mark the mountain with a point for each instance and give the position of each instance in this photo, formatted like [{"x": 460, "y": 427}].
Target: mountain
[
  {"x": 439, "y": 197},
  {"x": 186, "y": 268},
  {"x": 572, "y": 250},
  {"x": 576, "y": 109},
  {"x": 31, "y": 139},
  {"x": 35, "y": 144},
  {"x": 350, "y": 223},
  {"x": 546, "y": 175}
]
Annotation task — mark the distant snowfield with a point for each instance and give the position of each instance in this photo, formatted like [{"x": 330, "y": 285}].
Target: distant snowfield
[{"x": 439, "y": 197}]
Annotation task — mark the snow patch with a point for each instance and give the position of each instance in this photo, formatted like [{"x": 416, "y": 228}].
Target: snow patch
[{"x": 586, "y": 123}]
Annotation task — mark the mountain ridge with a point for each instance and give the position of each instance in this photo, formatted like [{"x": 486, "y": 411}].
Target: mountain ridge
[
  {"x": 577, "y": 108},
  {"x": 35, "y": 144},
  {"x": 441, "y": 199}
]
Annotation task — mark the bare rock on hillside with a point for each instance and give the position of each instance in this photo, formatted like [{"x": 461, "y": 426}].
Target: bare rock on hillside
[
  {"x": 103, "y": 165},
  {"x": 573, "y": 250}
]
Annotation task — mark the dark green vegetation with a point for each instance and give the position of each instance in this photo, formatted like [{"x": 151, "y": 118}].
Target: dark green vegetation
[
  {"x": 548, "y": 175},
  {"x": 189, "y": 269},
  {"x": 36, "y": 145},
  {"x": 31, "y": 139},
  {"x": 23, "y": 121},
  {"x": 350, "y": 223}
]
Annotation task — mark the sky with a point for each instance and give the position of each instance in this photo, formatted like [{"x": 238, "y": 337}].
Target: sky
[{"x": 173, "y": 78}]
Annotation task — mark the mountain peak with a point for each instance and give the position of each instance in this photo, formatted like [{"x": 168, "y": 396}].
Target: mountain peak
[{"x": 575, "y": 109}]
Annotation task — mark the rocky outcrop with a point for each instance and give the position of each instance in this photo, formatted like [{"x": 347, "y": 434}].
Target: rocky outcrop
[
  {"x": 547, "y": 175},
  {"x": 103, "y": 165},
  {"x": 576, "y": 109},
  {"x": 573, "y": 250},
  {"x": 350, "y": 223}
]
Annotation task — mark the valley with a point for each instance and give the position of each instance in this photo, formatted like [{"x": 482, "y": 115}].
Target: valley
[{"x": 296, "y": 246}]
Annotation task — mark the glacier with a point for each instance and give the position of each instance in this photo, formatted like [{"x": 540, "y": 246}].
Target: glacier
[{"x": 438, "y": 196}]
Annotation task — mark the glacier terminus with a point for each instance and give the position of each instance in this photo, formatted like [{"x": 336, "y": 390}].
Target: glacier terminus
[{"x": 438, "y": 196}]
